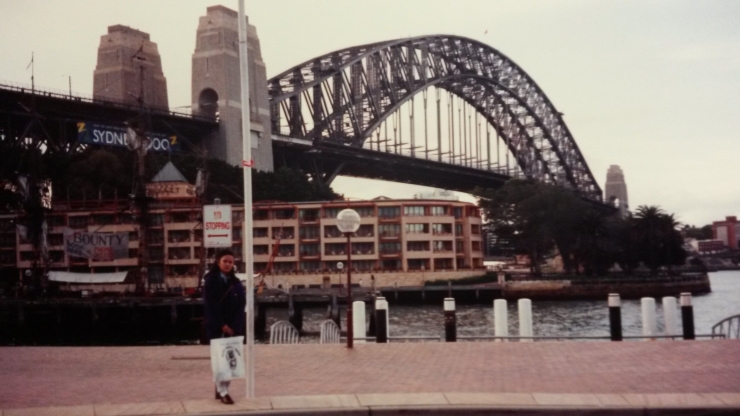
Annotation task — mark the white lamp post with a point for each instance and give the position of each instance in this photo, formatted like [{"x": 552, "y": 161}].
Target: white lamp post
[{"x": 348, "y": 221}]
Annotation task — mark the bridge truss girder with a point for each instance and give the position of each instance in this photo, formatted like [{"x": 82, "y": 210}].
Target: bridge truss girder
[{"x": 344, "y": 96}]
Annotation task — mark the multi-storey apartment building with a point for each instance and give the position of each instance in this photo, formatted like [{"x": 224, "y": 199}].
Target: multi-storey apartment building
[{"x": 394, "y": 235}]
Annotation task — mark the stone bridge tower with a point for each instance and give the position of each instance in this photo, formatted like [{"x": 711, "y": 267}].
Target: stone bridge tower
[
  {"x": 125, "y": 55},
  {"x": 216, "y": 88},
  {"x": 615, "y": 190}
]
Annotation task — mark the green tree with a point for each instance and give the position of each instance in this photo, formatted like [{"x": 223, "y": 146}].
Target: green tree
[{"x": 657, "y": 238}]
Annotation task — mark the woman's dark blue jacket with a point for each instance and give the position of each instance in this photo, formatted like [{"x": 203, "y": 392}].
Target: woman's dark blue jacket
[{"x": 224, "y": 303}]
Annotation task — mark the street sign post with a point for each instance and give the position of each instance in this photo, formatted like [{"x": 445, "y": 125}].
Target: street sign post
[{"x": 217, "y": 226}]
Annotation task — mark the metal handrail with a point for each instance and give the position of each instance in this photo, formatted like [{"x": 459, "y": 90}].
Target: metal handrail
[
  {"x": 719, "y": 327},
  {"x": 569, "y": 337}
]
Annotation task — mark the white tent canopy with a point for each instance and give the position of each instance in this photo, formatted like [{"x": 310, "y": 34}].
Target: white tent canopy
[{"x": 68, "y": 277}]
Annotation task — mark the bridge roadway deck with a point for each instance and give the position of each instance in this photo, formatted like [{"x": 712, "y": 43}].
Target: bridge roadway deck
[{"x": 41, "y": 377}]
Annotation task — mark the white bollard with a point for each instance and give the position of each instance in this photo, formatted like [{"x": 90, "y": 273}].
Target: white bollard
[
  {"x": 525, "y": 319},
  {"x": 649, "y": 322},
  {"x": 358, "y": 321},
  {"x": 500, "y": 318},
  {"x": 670, "y": 315}
]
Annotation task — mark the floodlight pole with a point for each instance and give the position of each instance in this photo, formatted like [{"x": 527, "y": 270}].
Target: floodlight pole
[
  {"x": 247, "y": 164},
  {"x": 350, "y": 334}
]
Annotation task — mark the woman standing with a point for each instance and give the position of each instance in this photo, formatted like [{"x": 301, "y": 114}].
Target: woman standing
[{"x": 224, "y": 299}]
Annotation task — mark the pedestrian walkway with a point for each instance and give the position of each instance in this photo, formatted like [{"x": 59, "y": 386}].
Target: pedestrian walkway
[{"x": 641, "y": 374}]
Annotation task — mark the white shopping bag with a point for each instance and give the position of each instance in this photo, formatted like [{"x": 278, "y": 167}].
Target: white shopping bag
[{"x": 227, "y": 358}]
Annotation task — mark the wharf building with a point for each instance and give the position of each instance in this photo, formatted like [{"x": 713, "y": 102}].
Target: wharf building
[{"x": 400, "y": 242}]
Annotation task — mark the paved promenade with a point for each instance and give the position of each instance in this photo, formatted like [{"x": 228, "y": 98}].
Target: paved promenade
[{"x": 34, "y": 377}]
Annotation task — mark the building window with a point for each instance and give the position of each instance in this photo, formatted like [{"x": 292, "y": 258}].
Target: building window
[
  {"x": 363, "y": 248},
  {"x": 459, "y": 247},
  {"x": 443, "y": 264},
  {"x": 417, "y": 245},
  {"x": 286, "y": 250},
  {"x": 389, "y": 230},
  {"x": 418, "y": 264},
  {"x": 442, "y": 246},
  {"x": 437, "y": 211},
  {"x": 308, "y": 215},
  {"x": 457, "y": 212},
  {"x": 236, "y": 234},
  {"x": 391, "y": 264},
  {"x": 331, "y": 231},
  {"x": 284, "y": 266},
  {"x": 29, "y": 256},
  {"x": 475, "y": 229},
  {"x": 179, "y": 253},
  {"x": 55, "y": 221},
  {"x": 389, "y": 248},
  {"x": 335, "y": 249},
  {"x": 458, "y": 230},
  {"x": 178, "y": 236},
  {"x": 310, "y": 266},
  {"x": 309, "y": 233},
  {"x": 284, "y": 214},
  {"x": 237, "y": 216},
  {"x": 413, "y": 211},
  {"x": 156, "y": 220},
  {"x": 261, "y": 215},
  {"x": 133, "y": 235},
  {"x": 284, "y": 233},
  {"x": 78, "y": 221},
  {"x": 476, "y": 245},
  {"x": 180, "y": 217},
  {"x": 366, "y": 230},
  {"x": 331, "y": 212},
  {"x": 104, "y": 219},
  {"x": 441, "y": 229},
  {"x": 365, "y": 212},
  {"x": 389, "y": 212},
  {"x": 260, "y": 249},
  {"x": 363, "y": 264},
  {"x": 259, "y": 232},
  {"x": 417, "y": 228},
  {"x": 54, "y": 240},
  {"x": 310, "y": 249}
]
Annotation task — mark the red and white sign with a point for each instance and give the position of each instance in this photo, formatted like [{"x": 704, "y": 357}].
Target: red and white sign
[{"x": 217, "y": 226}]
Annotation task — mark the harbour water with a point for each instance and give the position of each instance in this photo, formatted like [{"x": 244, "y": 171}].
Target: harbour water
[{"x": 550, "y": 318}]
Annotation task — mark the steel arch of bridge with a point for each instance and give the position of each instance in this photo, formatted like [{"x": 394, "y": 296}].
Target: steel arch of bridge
[{"x": 350, "y": 92}]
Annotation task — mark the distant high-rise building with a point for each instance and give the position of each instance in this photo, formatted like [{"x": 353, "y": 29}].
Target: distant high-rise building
[
  {"x": 216, "y": 87},
  {"x": 129, "y": 64},
  {"x": 615, "y": 191}
]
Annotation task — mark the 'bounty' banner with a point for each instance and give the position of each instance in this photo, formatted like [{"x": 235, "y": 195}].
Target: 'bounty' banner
[
  {"x": 96, "y": 246},
  {"x": 103, "y": 134}
]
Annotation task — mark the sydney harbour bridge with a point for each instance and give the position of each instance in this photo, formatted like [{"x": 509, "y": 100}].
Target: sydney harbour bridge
[
  {"x": 442, "y": 111},
  {"x": 433, "y": 110}
]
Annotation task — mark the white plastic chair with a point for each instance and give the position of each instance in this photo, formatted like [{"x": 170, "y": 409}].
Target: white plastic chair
[
  {"x": 283, "y": 332},
  {"x": 329, "y": 332}
]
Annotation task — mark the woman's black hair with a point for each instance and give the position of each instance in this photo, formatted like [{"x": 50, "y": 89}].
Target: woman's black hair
[{"x": 219, "y": 254}]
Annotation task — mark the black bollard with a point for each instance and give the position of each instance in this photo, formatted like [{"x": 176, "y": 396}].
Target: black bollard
[
  {"x": 450, "y": 320},
  {"x": 381, "y": 321},
  {"x": 687, "y": 316},
  {"x": 615, "y": 316}
]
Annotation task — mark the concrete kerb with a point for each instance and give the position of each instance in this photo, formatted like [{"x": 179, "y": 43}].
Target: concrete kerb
[{"x": 420, "y": 404}]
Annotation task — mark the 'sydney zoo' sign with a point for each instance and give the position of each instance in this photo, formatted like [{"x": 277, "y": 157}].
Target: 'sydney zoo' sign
[{"x": 106, "y": 135}]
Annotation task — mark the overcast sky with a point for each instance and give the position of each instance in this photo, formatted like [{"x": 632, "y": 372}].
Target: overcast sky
[{"x": 652, "y": 86}]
